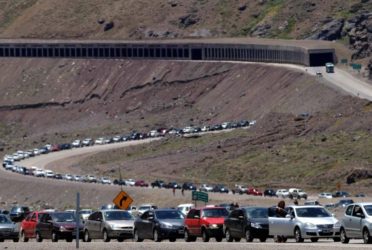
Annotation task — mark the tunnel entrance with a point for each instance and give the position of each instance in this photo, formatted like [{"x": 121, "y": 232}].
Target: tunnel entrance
[
  {"x": 320, "y": 59},
  {"x": 196, "y": 54}
]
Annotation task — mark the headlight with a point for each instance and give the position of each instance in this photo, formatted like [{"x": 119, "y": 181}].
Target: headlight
[
  {"x": 213, "y": 226},
  {"x": 62, "y": 229},
  {"x": 337, "y": 224},
  {"x": 310, "y": 225},
  {"x": 165, "y": 225},
  {"x": 115, "y": 227},
  {"x": 255, "y": 225}
]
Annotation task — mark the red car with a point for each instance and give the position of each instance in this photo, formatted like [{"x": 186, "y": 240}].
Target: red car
[
  {"x": 28, "y": 226},
  {"x": 253, "y": 191},
  {"x": 205, "y": 222},
  {"x": 141, "y": 183}
]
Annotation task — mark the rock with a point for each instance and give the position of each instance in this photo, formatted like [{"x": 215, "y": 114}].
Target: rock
[
  {"x": 242, "y": 7},
  {"x": 188, "y": 20},
  {"x": 261, "y": 30},
  {"x": 330, "y": 31},
  {"x": 309, "y": 6},
  {"x": 159, "y": 34},
  {"x": 358, "y": 174},
  {"x": 201, "y": 33},
  {"x": 108, "y": 26}
]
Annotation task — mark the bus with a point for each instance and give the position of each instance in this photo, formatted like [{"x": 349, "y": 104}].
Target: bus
[{"x": 330, "y": 68}]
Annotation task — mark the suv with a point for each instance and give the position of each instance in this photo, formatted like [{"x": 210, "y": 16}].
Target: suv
[
  {"x": 109, "y": 224},
  {"x": 357, "y": 223},
  {"x": 205, "y": 222},
  {"x": 57, "y": 225},
  {"x": 295, "y": 193},
  {"x": 18, "y": 213},
  {"x": 157, "y": 183}
]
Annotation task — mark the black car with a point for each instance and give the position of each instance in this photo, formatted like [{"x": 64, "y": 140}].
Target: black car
[
  {"x": 57, "y": 225},
  {"x": 65, "y": 146},
  {"x": 243, "y": 123},
  {"x": 159, "y": 224},
  {"x": 216, "y": 127},
  {"x": 248, "y": 223},
  {"x": 220, "y": 189},
  {"x": 172, "y": 185},
  {"x": 58, "y": 176},
  {"x": 188, "y": 186},
  {"x": 18, "y": 213},
  {"x": 270, "y": 192},
  {"x": 341, "y": 194},
  {"x": 157, "y": 183},
  {"x": 6, "y": 163},
  {"x": 120, "y": 182},
  {"x": 135, "y": 136}
]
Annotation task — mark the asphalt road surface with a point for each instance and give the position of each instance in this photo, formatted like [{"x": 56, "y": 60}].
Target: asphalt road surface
[{"x": 321, "y": 245}]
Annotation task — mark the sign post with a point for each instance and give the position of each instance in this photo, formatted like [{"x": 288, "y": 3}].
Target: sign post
[
  {"x": 199, "y": 196},
  {"x": 123, "y": 200}
]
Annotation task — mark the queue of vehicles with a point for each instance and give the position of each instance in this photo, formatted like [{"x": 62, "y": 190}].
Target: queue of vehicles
[{"x": 306, "y": 222}]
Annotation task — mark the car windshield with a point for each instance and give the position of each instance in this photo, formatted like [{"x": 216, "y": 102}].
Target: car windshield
[
  {"x": 312, "y": 212},
  {"x": 169, "y": 215},
  {"x": 368, "y": 209},
  {"x": 118, "y": 215},
  {"x": 85, "y": 212},
  {"x": 214, "y": 213},
  {"x": 346, "y": 201},
  {"x": 63, "y": 217},
  {"x": 4, "y": 220},
  {"x": 257, "y": 212}
]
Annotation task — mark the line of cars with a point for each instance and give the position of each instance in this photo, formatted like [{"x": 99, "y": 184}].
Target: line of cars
[{"x": 310, "y": 222}]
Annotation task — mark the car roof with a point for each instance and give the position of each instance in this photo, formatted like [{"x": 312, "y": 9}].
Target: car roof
[
  {"x": 112, "y": 210},
  {"x": 362, "y": 203}
]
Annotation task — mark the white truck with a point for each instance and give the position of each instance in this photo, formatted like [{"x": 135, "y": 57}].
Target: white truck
[{"x": 296, "y": 193}]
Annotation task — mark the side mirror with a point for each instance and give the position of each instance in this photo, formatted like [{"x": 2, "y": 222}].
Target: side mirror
[
  {"x": 360, "y": 215},
  {"x": 241, "y": 217},
  {"x": 289, "y": 216},
  {"x": 196, "y": 217},
  {"x": 99, "y": 219},
  {"x": 150, "y": 218}
]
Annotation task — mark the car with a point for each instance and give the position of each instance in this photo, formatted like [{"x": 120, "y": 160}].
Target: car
[
  {"x": 109, "y": 140},
  {"x": 360, "y": 195},
  {"x": 206, "y": 188},
  {"x": 311, "y": 203},
  {"x": 159, "y": 224},
  {"x": 157, "y": 183},
  {"x": 305, "y": 222},
  {"x": 144, "y": 207},
  {"x": 248, "y": 223},
  {"x": 141, "y": 183},
  {"x": 341, "y": 194},
  {"x": 226, "y": 125},
  {"x": 188, "y": 130},
  {"x": 205, "y": 222},
  {"x": 119, "y": 182},
  {"x": 172, "y": 185},
  {"x": 219, "y": 188},
  {"x": 239, "y": 189},
  {"x": 269, "y": 192},
  {"x": 205, "y": 128},
  {"x": 58, "y": 176},
  {"x": 105, "y": 180},
  {"x": 18, "y": 213},
  {"x": 28, "y": 226},
  {"x": 99, "y": 141},
  {"x": 68, "y": 177},
  {"x": 65, "y": 146},
  {"x": 296, "y": 193},
  {"x": 254, "y": 191},
  {"x": 8, "y": 229},
  {"x": 76, "y": 144},
  {"x": 56, "y": 226},
  {"x": 154, "y": 133},
  {"x": 185, "y": 208},
  {"x": 84, "y": 213},
  {"x": 188, "y": 186},
  {"x": 130, "y": 182},
  {"x": 39, "y": 173},
  {"x": 325, "y": 195},
  {"x": 49, "y": 174},
  {"x": 344, "y": 202},
  {"x": 55, "y": 148},
  {"x": 90, "y": 179},
  {"x": 87, "y": 142},
  {"x": 357, "y": 223},
  {"x": 216, "y": 127},
  {"x": 117, "y": 138},
  {"x": 109, "y": 224},
  {"x": 77, "y": 178},
  {"x": 243, "y": 123},
  {"x": 282, "y": 193}
]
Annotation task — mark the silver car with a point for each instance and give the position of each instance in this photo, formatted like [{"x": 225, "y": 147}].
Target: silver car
[
  {"x": 357, "y": 223},
  {"x": 109, "y": 224},
  {"x": 305, "y": 222}
]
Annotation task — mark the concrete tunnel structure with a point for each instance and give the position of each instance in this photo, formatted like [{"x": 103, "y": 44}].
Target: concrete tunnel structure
[{"x": 307, "y": 53}]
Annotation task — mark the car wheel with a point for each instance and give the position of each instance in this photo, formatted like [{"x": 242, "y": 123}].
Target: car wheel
[
  {"x": 54, "y": 237},
  {"x": 120, "y": 239},
  {"x": 1, "y": 240},
  {"x": 237, "y": 239},
  {"x": 367, "y": 239},
  {"x": 188, "y": 237},
  {"x": 205, "y": 236},
  {"x": 336, "y": 239},
  {"x": 344, "y": 238},
  {"x": 314, "y": 239},
  {"x": 297, "y": 235},
  {"x": 156, "y": 236},
  {"x": 172, "y": 239},
  {"x": 23, "y": 236},
  {"x": 69, "y": 239},
  {"x": 263, "y": 239},
  {"x": 106, "y": 238},
  {"x": 228, "y": 236},
  {"x": 86, "y": 237},
  {"x": 136, "y": 237},
  {"x": 38, "y": 237},
  {"x": 219, "y": 239},
  {"x": 248, "y": 235},
  {"x": 16, "y": 240}
]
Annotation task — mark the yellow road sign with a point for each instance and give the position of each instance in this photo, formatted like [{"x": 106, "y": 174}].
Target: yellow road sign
[{"x": 123, "y": 200}]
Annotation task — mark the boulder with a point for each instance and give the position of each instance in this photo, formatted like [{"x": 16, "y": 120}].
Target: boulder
[
  {"x": 330, "y": 31},
  {"x": 108, "y": 26},
  {"x": 173, "y": 3},
  {"x": 201, "y": 33},
  {"x": 261, "y": 30},
  {"x": 242, "y": 7},
  {"x": 188, "y": 20}
]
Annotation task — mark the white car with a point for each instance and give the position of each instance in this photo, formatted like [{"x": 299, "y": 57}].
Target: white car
[
  {"x": 77, "y": 178},
  {"x": 144, "y": 207},
  {"x": 188, "y": 130},
  {"x": 226, "y": 125},
  {"x": 206, "y": 188},
  {"x": 130, "y": 182},
  {"x": 39, "y": 173},
  {"x": 205, "y": 129},
  {"x": 87, "y": 142},
  {"x": 325, "y": 195},
  {"x": 84, "y": 213},
  {"x": 68, "y": 177},
  {"x": 100, "y": 141},
  {"x": 9, "y": 166},
  {"x": 305, "y": 222},
  {"x": 36, "y": 151},
  {"x": 185, "y": 208},
  {"x": 49, "y": 174},
  {"x": 283, "y": 193},
  {"x": 154, "y": 133},
  {"x": 76, "y": 143},
  {"x": 117, "y": 138},
  {"x": 251, "y": 123},
  {"x": 105, "y": 180}
]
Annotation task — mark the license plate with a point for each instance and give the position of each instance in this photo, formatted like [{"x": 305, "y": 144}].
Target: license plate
[{"x": 326, "y": 231}]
